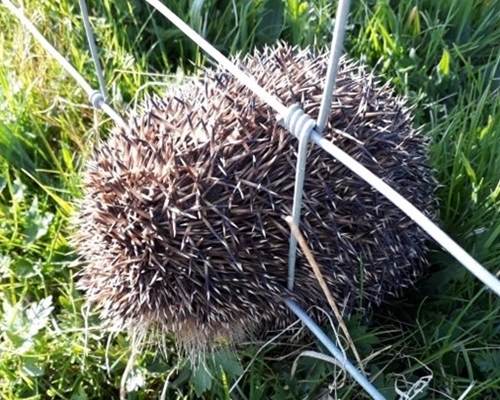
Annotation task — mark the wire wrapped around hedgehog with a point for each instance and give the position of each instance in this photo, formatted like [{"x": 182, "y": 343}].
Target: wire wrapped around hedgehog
[{"x": 181, "y": 224}]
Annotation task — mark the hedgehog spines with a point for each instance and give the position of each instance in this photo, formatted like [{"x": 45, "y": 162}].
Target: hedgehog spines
[{"x": 181, "y": 224}]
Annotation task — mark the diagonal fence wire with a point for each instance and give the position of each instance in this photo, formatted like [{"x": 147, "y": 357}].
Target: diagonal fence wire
[
  {"x": 299, "y": 124},
  {"x": 96, "y": 98},
  {"x": 344, "y": 362},
  {"x": 399, "y": 201}
]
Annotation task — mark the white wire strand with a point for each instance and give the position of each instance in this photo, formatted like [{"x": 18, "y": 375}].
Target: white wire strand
[
  {"x": 343, "y": 360},
  {"x": 410, "y": 210},
  {"x": 93, "y": 48},
  {"x": 333, "y": 64},
  {"x": 399, "y": 201},
  {"x": 303, "y": 134},
  {"x": 301, "y": 125},
  {"x": 95, "y": 97},
  {"x": 247, "y": 80}
]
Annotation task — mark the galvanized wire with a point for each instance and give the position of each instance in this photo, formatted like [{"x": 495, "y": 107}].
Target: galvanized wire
[
  {"x": 95, "y": 97},
  {"x": 93, "y": 48},
  {"x": 303, "y": 135},
  {"x": 344, "y": 362},
  {"x": 301, "y": 124},
  {"x": 410, "y": 210},
  {"x": 333, "y": 64}
]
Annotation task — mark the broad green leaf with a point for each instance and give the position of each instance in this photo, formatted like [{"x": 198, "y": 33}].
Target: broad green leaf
[
  {"x": 38, "y": 314},
  {"x": 25, "y": 268},
  {"x": 38, "y": 224},
  {"x": 201, "y": 379},
  {"x": 32, "y": 368},
  {"x": 229, "y": 362},
  {"x": 79, "y": 394}
]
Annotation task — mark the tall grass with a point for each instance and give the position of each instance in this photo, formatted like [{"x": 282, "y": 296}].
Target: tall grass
[{"x": 444, "y": 56}]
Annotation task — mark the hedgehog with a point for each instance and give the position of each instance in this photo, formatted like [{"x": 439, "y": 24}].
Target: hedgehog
[{"x": 181, "y": 223}]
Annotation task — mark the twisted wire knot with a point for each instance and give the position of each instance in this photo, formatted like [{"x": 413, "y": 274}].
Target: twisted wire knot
[
  {"x": 298, "y": 122},
  {"x": 96, "y": 98}
]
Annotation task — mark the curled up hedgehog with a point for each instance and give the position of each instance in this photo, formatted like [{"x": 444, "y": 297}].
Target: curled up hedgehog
[{"x": 181, "y": 226}]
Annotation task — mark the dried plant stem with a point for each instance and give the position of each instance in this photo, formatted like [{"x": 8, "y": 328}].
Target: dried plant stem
[{"x": 307, "y": 252}]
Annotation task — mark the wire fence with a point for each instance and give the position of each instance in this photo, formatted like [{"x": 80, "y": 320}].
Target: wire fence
[{"x": 305, "y": 129}]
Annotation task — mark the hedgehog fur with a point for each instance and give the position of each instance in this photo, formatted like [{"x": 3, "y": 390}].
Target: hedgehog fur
[{"x": 181, "y": 223}]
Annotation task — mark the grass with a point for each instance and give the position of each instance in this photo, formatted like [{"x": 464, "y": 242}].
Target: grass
[{"x": 443, "y": 335}]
